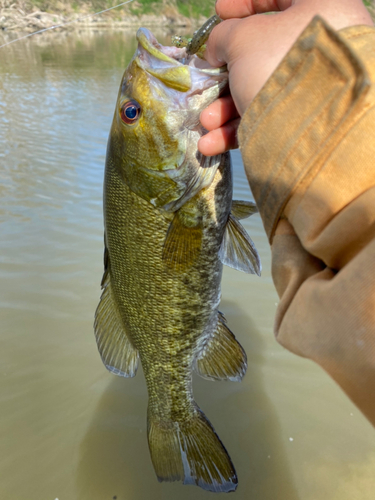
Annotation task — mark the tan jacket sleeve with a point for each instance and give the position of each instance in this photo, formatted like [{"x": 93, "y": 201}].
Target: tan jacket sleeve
[{"x": 308, "y": 144}]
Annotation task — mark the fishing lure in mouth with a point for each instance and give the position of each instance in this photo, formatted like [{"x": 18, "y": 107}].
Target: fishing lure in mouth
[
  {"x": 197, "y": 43},
  {"x": 170, "y": 225}
]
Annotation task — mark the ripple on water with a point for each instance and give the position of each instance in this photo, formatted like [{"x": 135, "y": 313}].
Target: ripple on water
[{"x": 68, "y": 426}]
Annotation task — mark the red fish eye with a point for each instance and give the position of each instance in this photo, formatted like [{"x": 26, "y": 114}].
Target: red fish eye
[{"x": 130, "y": 112}]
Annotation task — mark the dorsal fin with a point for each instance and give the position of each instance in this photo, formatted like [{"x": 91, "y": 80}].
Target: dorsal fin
[
  {"x": 222, "y": 358},
  {"x": 237, "y": 249},
  {"x": 243, "y": 209},
  {"x": 116, "y": 350}
]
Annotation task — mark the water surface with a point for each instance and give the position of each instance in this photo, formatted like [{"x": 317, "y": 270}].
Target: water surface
[{"x": 68, "y": 428}]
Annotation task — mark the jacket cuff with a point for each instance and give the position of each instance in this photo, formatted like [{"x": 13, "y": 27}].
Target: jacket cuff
[{"x": 292, "y": 125}]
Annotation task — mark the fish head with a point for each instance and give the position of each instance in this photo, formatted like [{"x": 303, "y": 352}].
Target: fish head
[{"x": 156, "y": 127}]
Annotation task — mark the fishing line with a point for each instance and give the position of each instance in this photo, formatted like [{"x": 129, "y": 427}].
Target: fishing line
[{"x": 64, "y": 24}]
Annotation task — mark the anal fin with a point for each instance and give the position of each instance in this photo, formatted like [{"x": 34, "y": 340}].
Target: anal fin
[
  {"x": 116, "y": 350},
  {"x": 222, "y": 358},
  {"x": 238, "y": 250}
]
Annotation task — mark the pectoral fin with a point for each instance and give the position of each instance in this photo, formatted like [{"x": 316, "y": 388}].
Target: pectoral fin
[
  {"x": 204, "y": 171},
  {"x": 243, "y": 209},
  {"x": 237, "y": 249},
  {"x": 182, "y": 244},
  {"x": 116, "y": 350},
  {"x": 222, "y": 358}
]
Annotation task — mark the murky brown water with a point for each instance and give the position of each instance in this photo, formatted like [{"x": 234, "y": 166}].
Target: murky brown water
[{"x": 69, "y": 429}]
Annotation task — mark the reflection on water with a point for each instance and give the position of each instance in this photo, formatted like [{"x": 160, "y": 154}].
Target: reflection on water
[
  {"x": 72, "y": 431},
  {"x": 118, "y": 431}
]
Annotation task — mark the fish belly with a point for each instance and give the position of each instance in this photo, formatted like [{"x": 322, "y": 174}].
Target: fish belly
[{"x": 165, "y": 311}]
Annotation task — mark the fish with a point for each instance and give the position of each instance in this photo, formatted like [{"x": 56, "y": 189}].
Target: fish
[{"x": 170, "y": 225}]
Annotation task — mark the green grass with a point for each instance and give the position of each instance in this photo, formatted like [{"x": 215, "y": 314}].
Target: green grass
[
  {"x": 196, "y": 8},
  {"x": 188, "y": 8}
]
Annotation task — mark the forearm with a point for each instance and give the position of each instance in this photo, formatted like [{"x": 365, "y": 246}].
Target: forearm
[{"x": 308, "y": 143}]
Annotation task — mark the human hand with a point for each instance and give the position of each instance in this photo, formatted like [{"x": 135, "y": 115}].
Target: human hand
[{"x": 252, "y": 45}]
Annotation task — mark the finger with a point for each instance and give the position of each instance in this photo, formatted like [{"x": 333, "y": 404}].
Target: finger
[
  {"x": 220, "y": 140},
  {"x": 218, "y": 113},
  {"x": 227, "y": 9}
]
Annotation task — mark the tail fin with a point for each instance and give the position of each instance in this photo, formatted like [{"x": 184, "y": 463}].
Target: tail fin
[{"x": 192, "y": 452}]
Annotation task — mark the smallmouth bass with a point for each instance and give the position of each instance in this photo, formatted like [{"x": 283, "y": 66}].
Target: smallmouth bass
[{"x": 170, "y": 225}]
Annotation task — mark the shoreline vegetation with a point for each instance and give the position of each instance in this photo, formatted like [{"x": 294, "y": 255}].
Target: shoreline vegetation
[
  {"x": 23, "y": 17},
  {"x": 27, "y": 16}
]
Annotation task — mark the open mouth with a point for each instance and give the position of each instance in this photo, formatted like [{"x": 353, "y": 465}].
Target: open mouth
[{"x": 174, "y": 55}]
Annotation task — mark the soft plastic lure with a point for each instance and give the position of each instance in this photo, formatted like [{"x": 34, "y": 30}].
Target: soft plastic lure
[{"x": 197, "y": 43}]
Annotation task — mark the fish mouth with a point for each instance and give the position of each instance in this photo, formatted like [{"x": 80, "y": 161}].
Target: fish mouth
[{"x": 174, "y": 67}]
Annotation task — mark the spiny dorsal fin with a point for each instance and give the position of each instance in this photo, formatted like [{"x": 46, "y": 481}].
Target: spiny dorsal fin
[
  {"x": 182, "y": 244},
  {"x": 243, "y": 209},
  {"x": 117, "y": 352},
  {"x": 237, "y": 249},
  {"x": 190, "y": 451},
  {"x": 222, "y": 358}
]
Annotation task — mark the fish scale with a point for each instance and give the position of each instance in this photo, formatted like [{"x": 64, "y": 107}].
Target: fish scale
[
  {"x": 168, "y": 230},
  {"x": 143, "y": 234}
]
